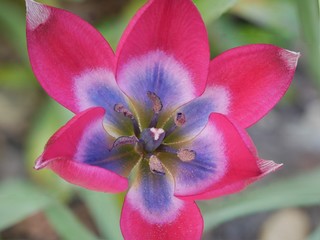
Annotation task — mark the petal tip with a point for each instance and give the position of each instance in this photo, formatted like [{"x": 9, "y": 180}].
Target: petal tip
[
  {"x": 39, "y": 164},
  {"x": 37, "y": 14},
  {"x": 290, "y": 57},
  {"x": 42, "y": 163},
  {"x": 268, "y": 166}
]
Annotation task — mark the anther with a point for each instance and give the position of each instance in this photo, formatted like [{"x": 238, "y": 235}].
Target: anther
[
  {"x": 179, "y": 120},
  {"x": 183, "y": 154},
  {"x": 124, "y": 140},
  {"x": 120, "y": 108},
  {"x": 156, "y": 107},
  {"x": 186, "y": 155},
  {"x": 156, "y": 166},
  {"x": 156, "y": 102}
]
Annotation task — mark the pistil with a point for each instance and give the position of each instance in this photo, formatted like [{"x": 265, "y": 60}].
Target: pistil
[
  {"x": 156, "y": 133},
  {"x": 152, "y": 138}
]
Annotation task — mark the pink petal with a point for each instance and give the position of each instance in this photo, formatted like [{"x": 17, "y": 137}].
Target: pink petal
[
  {"x": 175, "y": 29},
  {"x": 227, "y": 163},
  {"x": 151, "y": 211},
  {"x": 69, "y": 153},
  {"x": 255, "y": 78},
  {"x": 90, "y": 177},
  {"x": 226, "y": 187},
  {"x": 187, "y": 226},
  {"x": 62, "y": 47}
]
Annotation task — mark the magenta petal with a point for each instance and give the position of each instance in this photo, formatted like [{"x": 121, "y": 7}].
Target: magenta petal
[
  {"x": 151, "y": 211},
  {"x": 226, "y": 187},
  {"x": 63, "y": 47},
  {"x": 174, "y": 28},
  {"x": 90, "y": 177},
  {"x": 227, "y": 162},
  {"x": 254, "y": 77},
  {"x": 69, "y": 154},
  {"x": 187, "y": 226}
]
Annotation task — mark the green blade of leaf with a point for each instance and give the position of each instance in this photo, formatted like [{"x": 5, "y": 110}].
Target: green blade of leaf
[
  {"x": 278, "y": 16},
  {"x": 296, "y": 191},
  {"x": 212, "y": 9},
  {"x": 113, "y": 28},
  {"x": 226, "y": 34},
  {"x": 50, "y": 118},
  {"x": 66, "y": 224},
  {"x": 13, "y": 19},
  {"x": 20, "y": 199},
  {"x": 310, "y": 29},
  {"x": 106, "y": 210}
]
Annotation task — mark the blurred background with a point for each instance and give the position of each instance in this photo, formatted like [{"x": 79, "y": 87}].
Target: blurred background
[{"x": 285, "y": 205}]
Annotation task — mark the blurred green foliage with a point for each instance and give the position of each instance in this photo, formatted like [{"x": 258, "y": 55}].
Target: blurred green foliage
[
  {"x": 308, "y": 13},
  {"x": 19, "y": 200},
  {"x": 296, "y": 191},
  {"x": 291, "y": 24},
  {"x": 49, "y": 118}
]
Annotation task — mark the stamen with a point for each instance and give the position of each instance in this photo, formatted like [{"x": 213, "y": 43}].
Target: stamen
[
  {"x": 156, "y": 102},
  {"x": 179, "y": 120},
  {"x": 156, "y": 107},
  {"x": 186, "y": 155},
  {"x": 124, "y": 140},
  {"x": 166, "y": 148},
  {"x": 120, "y": 108},
  {"x": 156, "y": 166},
  {"x": 183, "y": 154}
]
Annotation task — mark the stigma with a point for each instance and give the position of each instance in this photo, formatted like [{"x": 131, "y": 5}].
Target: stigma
[{"x": 156, "y": 133}]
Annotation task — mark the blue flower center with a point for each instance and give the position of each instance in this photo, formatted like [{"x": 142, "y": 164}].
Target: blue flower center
[{"x": 149, "y": 142}]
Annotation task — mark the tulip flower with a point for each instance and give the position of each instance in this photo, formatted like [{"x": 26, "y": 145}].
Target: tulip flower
[{"x": 156, "y": 118}]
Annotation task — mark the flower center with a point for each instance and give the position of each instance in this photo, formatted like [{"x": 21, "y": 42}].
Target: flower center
[{"x": 149, "y": 142}]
